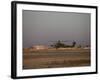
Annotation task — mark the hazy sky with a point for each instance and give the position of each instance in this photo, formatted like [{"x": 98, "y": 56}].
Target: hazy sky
[{"x": 41, "y": 27}]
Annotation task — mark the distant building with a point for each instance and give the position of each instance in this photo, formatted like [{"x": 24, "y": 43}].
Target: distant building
[
  {"x": 86, "y": 47},
  {"x": 39, "y": 47}
]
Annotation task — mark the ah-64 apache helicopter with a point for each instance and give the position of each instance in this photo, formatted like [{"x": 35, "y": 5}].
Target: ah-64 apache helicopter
[{"x": 61, "y": 44}]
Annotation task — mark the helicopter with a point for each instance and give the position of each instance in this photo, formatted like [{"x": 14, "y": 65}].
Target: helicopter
[{"x": 61, "y": 44}]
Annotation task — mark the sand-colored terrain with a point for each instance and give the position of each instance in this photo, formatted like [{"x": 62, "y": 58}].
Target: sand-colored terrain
[{"x": 53, "y": 58}]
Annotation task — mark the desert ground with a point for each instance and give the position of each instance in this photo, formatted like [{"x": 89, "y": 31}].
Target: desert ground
[{"x": 54, "y": 58}]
